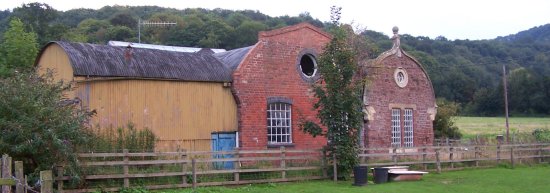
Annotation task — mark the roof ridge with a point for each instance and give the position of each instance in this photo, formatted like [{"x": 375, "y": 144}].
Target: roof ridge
[{"x": 292, "y": 28}]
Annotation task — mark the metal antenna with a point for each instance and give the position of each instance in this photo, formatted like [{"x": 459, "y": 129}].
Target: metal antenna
[{"x": 153, "y": 24}]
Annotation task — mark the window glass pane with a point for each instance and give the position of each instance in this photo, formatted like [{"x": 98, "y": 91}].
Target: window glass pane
[
  {"x": 408, "y": 128},
  {"x": 396, "y": 127},
  {"x": 279, "y": 123}
]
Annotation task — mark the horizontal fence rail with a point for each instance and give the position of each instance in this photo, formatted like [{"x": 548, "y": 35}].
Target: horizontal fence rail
[
  {"x": 455, "y": 157},
  {"x": 158, "y": 170},
  {"x": 191, "y": 169}
]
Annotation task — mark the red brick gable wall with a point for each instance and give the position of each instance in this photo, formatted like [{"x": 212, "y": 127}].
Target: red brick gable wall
[
  {"x": 384, "y": 94},
  {"x": 270, "y": 71}
]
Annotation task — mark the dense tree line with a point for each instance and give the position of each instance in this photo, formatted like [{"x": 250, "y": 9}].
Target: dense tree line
[
  {"x": 198, "y": 27},
  {"x": 467, "y": 72}
]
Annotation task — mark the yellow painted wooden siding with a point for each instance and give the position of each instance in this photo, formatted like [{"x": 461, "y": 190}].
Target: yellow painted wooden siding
[
  {"x": 174, "y": 110},
  {"x": 55, "y": 59},
  {"x": 182, "y": 114}
]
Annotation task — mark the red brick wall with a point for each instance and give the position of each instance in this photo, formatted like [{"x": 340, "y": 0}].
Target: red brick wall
[
  {"x": 270, "y": 70},
  {"x": 384, "y": 93}
]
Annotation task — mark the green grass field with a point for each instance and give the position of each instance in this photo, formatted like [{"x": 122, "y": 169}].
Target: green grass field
[
  {"x": 490, "y": 126},
  {"x": 498, "y": 180}
]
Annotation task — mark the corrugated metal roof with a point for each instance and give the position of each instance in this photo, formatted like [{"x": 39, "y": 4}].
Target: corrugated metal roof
[
  {"x": 233, "y": 58},
  {"x": 162, "y": 47},
  {"x": 114, "y": 61}
]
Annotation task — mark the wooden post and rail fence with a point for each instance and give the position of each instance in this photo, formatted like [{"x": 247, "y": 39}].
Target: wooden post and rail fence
[
  {"x": 12, "y": 176},
  {"x": 193, "y": 169}
]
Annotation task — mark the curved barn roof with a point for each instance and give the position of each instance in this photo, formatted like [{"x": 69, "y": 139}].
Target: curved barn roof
[
  {"x": 233, "y": 58},
  {"x": 112, "y": 61}
]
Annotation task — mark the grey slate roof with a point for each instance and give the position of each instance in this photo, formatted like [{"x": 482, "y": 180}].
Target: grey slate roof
[
  {"x": 111, "y": 61},
  {"x": 233, "y": 58}
]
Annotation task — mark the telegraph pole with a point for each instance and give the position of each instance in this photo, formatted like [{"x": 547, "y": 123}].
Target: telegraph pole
[
  {"x": 506, "y": 102},
  {"x": 148, "y": 23}
]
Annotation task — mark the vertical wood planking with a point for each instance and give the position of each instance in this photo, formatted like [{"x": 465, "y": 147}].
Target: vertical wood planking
[{"x": 173, "y": 110}]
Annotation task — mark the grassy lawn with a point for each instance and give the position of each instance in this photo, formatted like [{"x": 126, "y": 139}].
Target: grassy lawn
[
  {"x": 499, "y": 180},
  {"x": 489, "y": 126}
]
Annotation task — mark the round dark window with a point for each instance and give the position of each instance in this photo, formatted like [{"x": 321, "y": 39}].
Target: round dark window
[{"x": 308, "y": 65}]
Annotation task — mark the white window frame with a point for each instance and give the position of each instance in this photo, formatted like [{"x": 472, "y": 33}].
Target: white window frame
[
  {"x": 408, "y": 128},
  {"x": 396, "y": 127},
  {"x": 279, "y": 123}
]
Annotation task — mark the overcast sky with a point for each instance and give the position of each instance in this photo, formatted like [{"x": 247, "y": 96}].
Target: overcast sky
[{"x": 457, "y": 19}]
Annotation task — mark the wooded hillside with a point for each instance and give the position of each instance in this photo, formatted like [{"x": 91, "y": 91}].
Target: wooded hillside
[{"x": 468, "y": 72}]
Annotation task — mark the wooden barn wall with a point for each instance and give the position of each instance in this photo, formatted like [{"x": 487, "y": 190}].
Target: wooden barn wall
[
  {"x": 55, "y": 59},
  {"x": 182, "y": 114}
]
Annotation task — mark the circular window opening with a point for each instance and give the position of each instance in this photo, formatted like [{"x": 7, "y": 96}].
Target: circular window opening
[
  {"x": 401, "y": 78},
  {"x": 308, "y": 65}
]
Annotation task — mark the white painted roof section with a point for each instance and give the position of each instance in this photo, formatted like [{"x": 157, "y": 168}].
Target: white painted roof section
[{"x": 160, "y": 47}]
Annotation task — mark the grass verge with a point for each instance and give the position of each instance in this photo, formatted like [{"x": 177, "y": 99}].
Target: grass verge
[{"x": 498, "y": 180}]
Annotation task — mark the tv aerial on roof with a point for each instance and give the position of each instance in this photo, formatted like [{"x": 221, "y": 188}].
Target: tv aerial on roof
[{"x": 152, "y": 24}]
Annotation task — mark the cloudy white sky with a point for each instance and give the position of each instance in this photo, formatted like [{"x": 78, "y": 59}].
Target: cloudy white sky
[{"x": 456, "y": 19}]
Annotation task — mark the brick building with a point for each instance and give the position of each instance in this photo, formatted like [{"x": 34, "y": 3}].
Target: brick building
[
  {"x": 272, "y": 86},
  {"x": 399, "y": 100},
  {"x": 253, "y": 97}
]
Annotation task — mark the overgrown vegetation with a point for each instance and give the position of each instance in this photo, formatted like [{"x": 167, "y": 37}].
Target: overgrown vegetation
[
  {"x": 542, "y": 135},
  {"x": 339, "y": 98},
  {"x": 38, "y": 126},
  {"x": 115, "y": 140},
  {"x": 444, "y": 120}
]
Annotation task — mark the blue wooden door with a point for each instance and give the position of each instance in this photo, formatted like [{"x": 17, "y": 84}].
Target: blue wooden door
[{"x": 223, "y": 142}]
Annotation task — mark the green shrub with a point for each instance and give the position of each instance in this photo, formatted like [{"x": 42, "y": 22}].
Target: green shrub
[
  {"x": 542, "y": 135},
  {"x": 40, "y": 127},
  {"x": 444, "y": 124}
]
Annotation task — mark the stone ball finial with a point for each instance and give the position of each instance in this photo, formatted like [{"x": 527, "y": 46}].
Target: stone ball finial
[{"x": 395, "y": 29}]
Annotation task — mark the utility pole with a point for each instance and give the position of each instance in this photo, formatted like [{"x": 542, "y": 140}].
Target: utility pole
[
  {"x": 506, "y": 102},
  {"x": 148, "y": 23}
]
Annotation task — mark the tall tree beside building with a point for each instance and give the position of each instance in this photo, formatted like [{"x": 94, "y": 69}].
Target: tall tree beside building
[{"x": 339, "y": 101}]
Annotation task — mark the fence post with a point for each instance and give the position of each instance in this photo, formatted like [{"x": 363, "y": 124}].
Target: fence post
[
  {"x": 324, "y": 163},
  {"x": 512, "y": 156},
  {"x": 60, "y": 172},
  {"x": 47, "y": 181},
  {"x": 183, "y": 155},
  {"x": 334, "y": 169},
  {"x": 125, "y": 168},
  {"x": 540, "y": 154},
  {"x": 236, "y": 165},
  {"x": 194, "y": 172},
  {"x": 6, "y": 172},
  {"x": 394, "y": 156},
  {"x": 20, "y": 186},
  {"x": 283, "y": 162},
  {"x": 424, "y": 158},
  {"x": 498, "y": 153},
  {"x": 451, "y": 155},
  {"x": 476, "y": 148},
  {"x": 437, "y": 161}
]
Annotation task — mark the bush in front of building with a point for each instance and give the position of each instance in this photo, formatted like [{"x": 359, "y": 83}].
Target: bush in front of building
[{"x": 39, "y": 126}]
